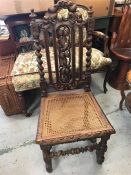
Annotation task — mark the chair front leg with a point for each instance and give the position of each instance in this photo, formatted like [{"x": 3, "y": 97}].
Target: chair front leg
[
  {"x": 105, "y": 81},
  {"x": 107, "y": 75},
  {"x": 23, "y": 101},
  {"x": 101, "y": 149},
  {"x": 122, "y": 99},
  {"x": 46, "y": 157}
]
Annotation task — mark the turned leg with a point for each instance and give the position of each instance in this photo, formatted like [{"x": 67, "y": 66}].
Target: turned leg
[
  {"x": 105, "y": 81},
  {"x": 101, "y": 149},
  {"x": 22, "y": 101},
  {"x": 122, "y": 99},
  {"x": 107, "y": 75},
  {"x": 24, "y": 106},
  {"x": 46, "y": 157}
]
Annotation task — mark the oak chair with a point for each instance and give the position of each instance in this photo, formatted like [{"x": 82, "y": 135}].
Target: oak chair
[
  {"x": 20, "y": 33},
  {"x": 70, "y": 114},
  {"x": 19, "y": 29},
  {"x": 103, "y": 62},
  {"x": 25, "y": 77},
  {"x": 121, "y": 49},
  {"x": 100, "y": 42}
]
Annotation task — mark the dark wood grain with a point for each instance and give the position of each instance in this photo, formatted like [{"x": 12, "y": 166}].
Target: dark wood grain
[
  {"x": 67, "y": 77},
  {"x": 121, "y": 49},
  {"x": 64, "y": 45}
]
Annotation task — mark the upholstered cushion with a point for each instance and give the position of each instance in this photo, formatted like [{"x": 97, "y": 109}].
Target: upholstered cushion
[
  {"x": 64, "y": 13},
  {"x": 26, "y": 82},
  {"x": 25, "y": 71},
  {"x": 26, "y": 63}
]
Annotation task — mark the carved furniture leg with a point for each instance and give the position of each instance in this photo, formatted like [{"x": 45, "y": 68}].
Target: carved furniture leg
[
  {"x": 47, "y": 159},
  {"x": 22, "y": 99},
  {"x": 105, "y": 81},
  {"x": 107, "y": 75},
  {"x": 122, "y": 99},
  {"x": 101, "y": 149}
]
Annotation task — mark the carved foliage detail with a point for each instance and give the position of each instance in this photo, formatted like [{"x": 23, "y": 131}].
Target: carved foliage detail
[
  {"x": 65, "y": 43},
  {"x": 63, "y": 36}
]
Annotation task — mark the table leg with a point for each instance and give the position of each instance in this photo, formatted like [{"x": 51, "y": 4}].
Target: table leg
[{"x": 118, "y": 81}]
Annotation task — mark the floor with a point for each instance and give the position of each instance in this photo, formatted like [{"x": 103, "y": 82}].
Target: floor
[{"x": 19, "y": 155}]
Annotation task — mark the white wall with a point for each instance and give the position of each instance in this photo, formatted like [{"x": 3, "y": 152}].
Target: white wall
[{"x": 8, "y": 7}]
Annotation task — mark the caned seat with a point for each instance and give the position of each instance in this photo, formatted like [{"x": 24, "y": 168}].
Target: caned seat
[{"x": 71, "y": 114}]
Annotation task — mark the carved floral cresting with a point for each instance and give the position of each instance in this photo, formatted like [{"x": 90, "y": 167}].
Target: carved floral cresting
[{"x": 64, "y": 43}]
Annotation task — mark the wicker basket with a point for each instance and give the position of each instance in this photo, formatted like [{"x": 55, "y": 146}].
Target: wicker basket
[{"x": 9, "y": 100}]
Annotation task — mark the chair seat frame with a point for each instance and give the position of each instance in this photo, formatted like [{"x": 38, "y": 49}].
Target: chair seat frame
[{"x": 64, "y": 55}]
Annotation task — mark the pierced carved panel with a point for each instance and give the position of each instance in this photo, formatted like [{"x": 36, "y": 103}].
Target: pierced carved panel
[
  {"x": 62, "y": 20},
  {"x": 63, "y": 36}
]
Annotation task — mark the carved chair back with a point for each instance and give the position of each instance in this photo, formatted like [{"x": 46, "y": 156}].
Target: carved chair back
[
  {"x": 124, "y": 33},
  {"x": 63, "y": 29}
]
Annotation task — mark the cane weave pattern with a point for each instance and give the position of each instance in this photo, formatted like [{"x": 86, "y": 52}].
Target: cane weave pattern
[{"x": 71, "y": 114}]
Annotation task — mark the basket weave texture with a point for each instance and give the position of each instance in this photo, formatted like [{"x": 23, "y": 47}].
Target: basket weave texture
[
  {"x": 8, "y": 98},
  {"x": 71, "y": 114}
]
